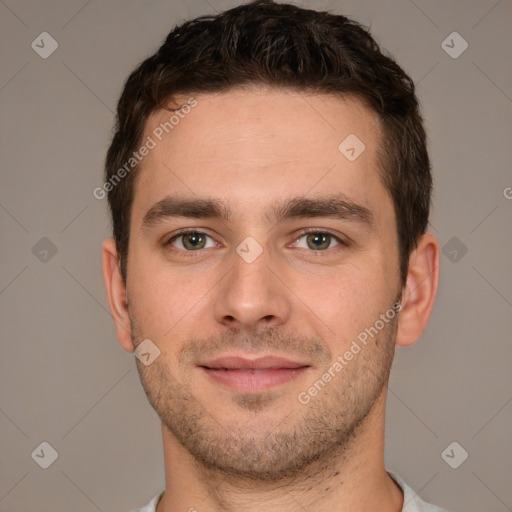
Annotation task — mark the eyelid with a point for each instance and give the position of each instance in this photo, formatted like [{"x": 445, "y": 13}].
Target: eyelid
[
  {"x": 186, "y": 231},
  {"x": 335, "y": 234},
  {"x": 341, "y": 239}
]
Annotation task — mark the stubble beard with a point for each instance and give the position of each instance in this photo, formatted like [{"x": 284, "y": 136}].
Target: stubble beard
[{"x": 311, "y": 440}]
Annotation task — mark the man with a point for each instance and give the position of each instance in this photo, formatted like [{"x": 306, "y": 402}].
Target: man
[{"x": 269, "y": 186}]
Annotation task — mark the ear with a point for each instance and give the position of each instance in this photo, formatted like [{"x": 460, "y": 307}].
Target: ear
[
  {"x": 116, "y": 292},
  {"x": 420, "y": 290}
]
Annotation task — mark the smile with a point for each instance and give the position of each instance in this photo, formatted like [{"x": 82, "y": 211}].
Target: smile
[{"x": 253, "y": 375}]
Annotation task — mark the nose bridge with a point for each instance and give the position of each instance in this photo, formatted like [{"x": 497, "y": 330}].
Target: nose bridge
[{"x": 251, "y": 294}]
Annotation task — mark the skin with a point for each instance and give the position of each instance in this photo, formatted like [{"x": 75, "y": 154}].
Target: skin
[{"x": 251, "y": 451}]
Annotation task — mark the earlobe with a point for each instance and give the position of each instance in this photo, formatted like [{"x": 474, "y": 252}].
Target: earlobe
[
  {"x": 420, "y": 291},
  {"x": 116, "y": 293}
]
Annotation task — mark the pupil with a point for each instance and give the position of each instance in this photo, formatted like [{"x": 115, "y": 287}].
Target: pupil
[
  {"x": 194, "y": 239},
  {"x": 319, "y": 239}
]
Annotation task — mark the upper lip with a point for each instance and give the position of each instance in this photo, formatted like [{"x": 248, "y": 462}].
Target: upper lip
[{"x": 260, "y": 363}]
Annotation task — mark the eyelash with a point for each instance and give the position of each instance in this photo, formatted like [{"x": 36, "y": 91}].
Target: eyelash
[{"x": 168, "y": 244}]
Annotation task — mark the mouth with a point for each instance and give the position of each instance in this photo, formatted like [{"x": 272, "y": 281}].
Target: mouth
[{"x": 253, "y": 375}]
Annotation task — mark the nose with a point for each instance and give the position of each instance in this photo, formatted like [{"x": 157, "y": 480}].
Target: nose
[{"x": 252, "y": 296}]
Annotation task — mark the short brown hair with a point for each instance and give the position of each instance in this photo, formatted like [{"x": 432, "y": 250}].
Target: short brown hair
[{"x": 280, "y": 45}]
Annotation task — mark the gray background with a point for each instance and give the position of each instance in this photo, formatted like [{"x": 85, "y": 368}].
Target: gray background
[{"x": 64, "y": 378}]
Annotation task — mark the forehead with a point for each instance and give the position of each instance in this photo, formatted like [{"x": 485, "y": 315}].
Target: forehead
[{"x": 246, "y": 145}]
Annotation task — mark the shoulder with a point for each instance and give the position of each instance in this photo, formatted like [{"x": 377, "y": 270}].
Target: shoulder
[
  {"x": 151, "y": 506},
  {"x": 412, "y": 502}
]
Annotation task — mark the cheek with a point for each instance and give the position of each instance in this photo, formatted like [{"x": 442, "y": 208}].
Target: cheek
[
  {"x": 165, "y": 300},
  {"x": 346, "y": 301}
]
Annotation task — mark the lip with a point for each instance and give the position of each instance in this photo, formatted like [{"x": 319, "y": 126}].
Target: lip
[{"x": 253, "y": 375}]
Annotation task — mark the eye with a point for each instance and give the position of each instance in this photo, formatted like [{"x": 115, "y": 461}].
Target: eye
[
  {"x": 319, "y": 240},
  {"x": 190, "y": 241}
]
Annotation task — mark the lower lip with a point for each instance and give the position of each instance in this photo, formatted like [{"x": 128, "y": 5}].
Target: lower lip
[{"x": 254, "y": 380}]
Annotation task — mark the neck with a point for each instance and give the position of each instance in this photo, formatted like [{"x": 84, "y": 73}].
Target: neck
[{"x": 352, "y": 478}]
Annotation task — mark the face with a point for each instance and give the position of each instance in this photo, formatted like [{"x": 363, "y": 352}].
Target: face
[{"x": 260, "y": 257}]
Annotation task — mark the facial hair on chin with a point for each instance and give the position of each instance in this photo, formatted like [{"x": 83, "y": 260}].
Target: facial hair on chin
[{"x": 307, "y": 440}]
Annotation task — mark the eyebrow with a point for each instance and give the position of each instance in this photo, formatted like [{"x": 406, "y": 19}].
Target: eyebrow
[{"x": 335, "y": 206}]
